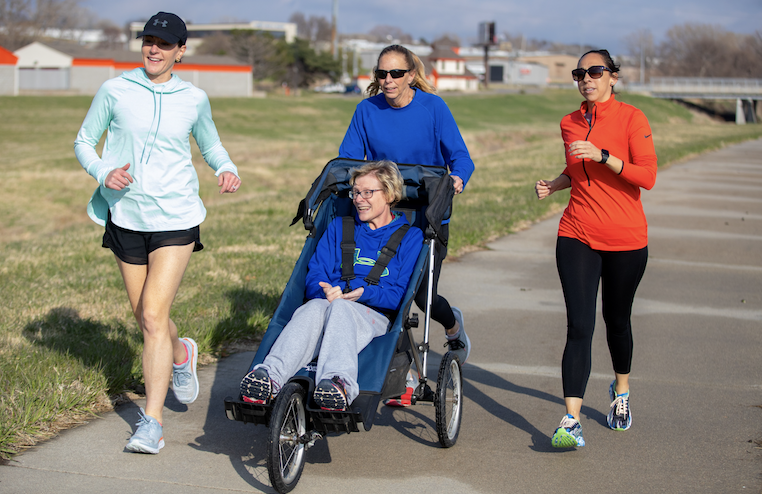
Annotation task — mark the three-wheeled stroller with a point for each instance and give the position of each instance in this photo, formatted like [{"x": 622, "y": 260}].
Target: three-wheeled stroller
[{"x": 294, "y": 420}]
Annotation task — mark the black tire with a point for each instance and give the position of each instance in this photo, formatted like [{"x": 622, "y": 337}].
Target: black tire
[
  {"x": 288, "y": 424},
  {"x": 448, "y": 400}
]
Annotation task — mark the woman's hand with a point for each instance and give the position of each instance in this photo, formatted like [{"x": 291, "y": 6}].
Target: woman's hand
[
  {"x": 458, "y": 184},
  {"x": 118, "y": 178},
  {"x": 585, "y": 150},
  {"x": 543, "y": 188},
  {"x": 334, "y": 292},
  {"x": 228, "y": 182},
  {"x": 354, "y": 295}
]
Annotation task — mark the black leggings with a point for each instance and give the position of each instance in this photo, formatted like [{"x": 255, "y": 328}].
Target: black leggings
[
  {"x": 580, "y": 268},
  {"x": 441, "y": 311}
]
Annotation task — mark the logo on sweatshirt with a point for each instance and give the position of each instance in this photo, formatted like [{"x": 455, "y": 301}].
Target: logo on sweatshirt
[
  {"x": 367, "y": 261},
  {"x": 646, "y": 137}
]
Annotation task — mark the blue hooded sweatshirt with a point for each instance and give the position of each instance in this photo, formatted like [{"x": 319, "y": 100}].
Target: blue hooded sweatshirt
[
  {"x": 325, "y": 264},
  {"x": 149, "y": 126}
]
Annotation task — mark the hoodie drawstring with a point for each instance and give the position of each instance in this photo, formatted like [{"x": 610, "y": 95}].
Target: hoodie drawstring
[{"x": 157, "y": 119}]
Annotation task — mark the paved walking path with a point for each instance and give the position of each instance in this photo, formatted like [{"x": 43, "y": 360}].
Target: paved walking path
[{"x": 696, "y": 381}]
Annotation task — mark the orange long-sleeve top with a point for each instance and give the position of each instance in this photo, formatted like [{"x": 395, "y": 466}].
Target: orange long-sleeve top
[{"x": 604, "y": 209}]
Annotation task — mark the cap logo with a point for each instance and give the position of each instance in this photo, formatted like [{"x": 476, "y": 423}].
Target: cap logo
[{"x": 163, "y": 23}]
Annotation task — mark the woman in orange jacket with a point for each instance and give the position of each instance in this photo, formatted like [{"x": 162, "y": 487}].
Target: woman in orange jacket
[{"x": 602, "y": 235}]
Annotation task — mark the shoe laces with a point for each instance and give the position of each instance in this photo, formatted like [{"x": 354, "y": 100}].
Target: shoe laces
[
  {"x": 621, "y": 405},
  {"x": 455, "y": 344}
]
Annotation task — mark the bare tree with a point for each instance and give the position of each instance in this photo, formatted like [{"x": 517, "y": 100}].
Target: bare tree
[
  {"x": 642, "y": 50},
  {"x": 256, "y": 49},
  {"x": 217, "y": 44},
  {"x": 312, "y": 29},
  {"x": 702, "y": 50},
  {"x": 388, "y": 34},
  {"x": 447, "y": 40},
  {"x": 24, "y": 21}
]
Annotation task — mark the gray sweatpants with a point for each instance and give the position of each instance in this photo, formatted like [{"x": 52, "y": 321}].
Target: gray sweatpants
[{"x": 336, "y": 332}]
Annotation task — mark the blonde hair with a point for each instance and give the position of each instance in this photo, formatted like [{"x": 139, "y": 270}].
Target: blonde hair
[
  {"x": 414, "y": 64},
  {"x": 387, "y": 173}
]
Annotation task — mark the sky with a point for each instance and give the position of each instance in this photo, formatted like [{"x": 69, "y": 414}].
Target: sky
[{"x": 601, "y": 23}]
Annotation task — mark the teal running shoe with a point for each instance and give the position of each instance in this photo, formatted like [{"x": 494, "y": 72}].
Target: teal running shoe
[
  {"x": 184, "y": 376},
  {"x": 619, "y": 417},
  {"x": 148, "y": 438},
  {"x": 568, "y": 434}
]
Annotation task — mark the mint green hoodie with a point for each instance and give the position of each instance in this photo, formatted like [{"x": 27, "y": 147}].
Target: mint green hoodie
[{"x": 149, "y": 127}]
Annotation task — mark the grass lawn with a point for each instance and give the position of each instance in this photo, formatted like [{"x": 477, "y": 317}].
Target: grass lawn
[{"x": 68, "y": 342}]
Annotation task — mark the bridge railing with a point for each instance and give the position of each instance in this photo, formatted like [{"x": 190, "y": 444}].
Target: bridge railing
[{"x": 706, "y": 87}]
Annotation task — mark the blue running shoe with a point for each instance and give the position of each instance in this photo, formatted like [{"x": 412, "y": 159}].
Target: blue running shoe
[
  {"x": 330, "y": 394},
  {"x": 619, "y": 417},
  {"x": 184, "y": 376},
  {"x": 257, "y": 387},
  {"x": 460, "y": 346},
  {"x": 148, "y": 438},
  {"x": 568, "y": 434}
]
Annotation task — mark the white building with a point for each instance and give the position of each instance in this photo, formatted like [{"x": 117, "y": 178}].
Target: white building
[
  {"x": 9, "y": 74},
  {"x": 74, "y": 69}
]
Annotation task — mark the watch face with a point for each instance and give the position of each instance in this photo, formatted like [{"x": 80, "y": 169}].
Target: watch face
[{"x": 604, "y": 155}]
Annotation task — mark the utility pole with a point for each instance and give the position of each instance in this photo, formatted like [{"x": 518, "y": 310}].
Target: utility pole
[
  {"x": 334, "y": 40},
  {"x": 487, "y": 38}
]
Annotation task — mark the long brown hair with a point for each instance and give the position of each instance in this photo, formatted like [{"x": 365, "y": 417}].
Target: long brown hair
[{"x": 413, "y": 63}]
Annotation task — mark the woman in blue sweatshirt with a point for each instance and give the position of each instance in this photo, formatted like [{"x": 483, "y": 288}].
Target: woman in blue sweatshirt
[
  {"x": 148, "y": 201},
  {"x": 337, "y": 324},
  {"x": 405, "y": 122}
]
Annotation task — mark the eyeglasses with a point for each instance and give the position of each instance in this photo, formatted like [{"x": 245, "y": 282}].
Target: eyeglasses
[
  {"x": 365, "y": 194},
  {"x": 596, "y": 72},
  {"x": 396, "y": 73}
]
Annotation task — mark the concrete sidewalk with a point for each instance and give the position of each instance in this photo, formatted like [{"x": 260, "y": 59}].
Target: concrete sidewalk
[{"x": 696, "y": 381}]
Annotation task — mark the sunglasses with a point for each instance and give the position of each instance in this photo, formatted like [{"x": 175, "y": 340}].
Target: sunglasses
[
  {"x": 596, "y": 72},
  {"x": 396, "y": 73}
]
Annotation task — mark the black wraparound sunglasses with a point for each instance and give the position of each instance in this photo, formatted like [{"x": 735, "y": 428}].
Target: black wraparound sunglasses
[
  {"x": 596, "y": 72},
  {"x": 396, "y": 73}
]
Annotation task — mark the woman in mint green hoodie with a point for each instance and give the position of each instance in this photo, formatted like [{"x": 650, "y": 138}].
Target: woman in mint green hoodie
[{"x": 148, "y": 201}]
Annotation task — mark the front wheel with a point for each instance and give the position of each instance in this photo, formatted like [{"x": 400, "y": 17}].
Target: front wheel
[
  {"x": 288, "y": 428},
  {"x": 448, "y": 400}
]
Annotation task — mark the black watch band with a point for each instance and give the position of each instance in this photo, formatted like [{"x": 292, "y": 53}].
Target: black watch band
[{"x": 604, "y": 156}]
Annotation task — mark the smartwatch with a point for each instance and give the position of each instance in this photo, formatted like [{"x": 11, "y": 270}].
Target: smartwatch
[{"x": 604, "y": 156}]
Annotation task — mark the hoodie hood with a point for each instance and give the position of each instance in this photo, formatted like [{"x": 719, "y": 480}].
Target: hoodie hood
[{"x": 138, "y": 76}]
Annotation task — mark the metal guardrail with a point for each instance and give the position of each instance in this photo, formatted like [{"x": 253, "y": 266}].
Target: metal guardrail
[{"x": 701, "y": 87}]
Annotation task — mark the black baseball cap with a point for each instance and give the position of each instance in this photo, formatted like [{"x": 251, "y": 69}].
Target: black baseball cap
[{"x": 166, "y": 26}]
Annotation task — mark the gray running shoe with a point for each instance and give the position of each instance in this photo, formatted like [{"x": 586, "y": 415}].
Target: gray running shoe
[
  {"x": 184, "y": 377},
  {"x": 149, "y": 436},
  {"x": 461, "y": 346}
]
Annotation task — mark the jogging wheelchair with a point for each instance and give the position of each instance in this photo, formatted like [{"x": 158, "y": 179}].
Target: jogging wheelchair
[{"x": 295, "y": 422}]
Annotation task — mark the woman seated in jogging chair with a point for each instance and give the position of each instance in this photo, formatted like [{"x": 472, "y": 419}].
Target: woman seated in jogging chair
[{"x": 346, "y": 307}]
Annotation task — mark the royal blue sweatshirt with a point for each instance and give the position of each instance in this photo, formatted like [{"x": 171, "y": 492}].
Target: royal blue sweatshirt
[
  {"x": 325, "y": 264},
  {"x": 423, "y": 132}
]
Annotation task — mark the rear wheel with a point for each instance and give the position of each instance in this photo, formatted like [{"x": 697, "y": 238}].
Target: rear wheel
[
  {"x": 288, "y": 428},
  {"x": 448, "y": 400}
]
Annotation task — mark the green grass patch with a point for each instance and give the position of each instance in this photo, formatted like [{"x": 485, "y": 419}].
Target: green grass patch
[{"x": 68, "y": 340}]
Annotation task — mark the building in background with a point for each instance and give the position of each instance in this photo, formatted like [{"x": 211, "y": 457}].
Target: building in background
[
  {"x": 9, "y": 74},
  {"x": 197, "y": 32},
  {"x": 505, "y": 67},
  {"x": 447, "y": 71},
  {"x": 70, "y": 68}
]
